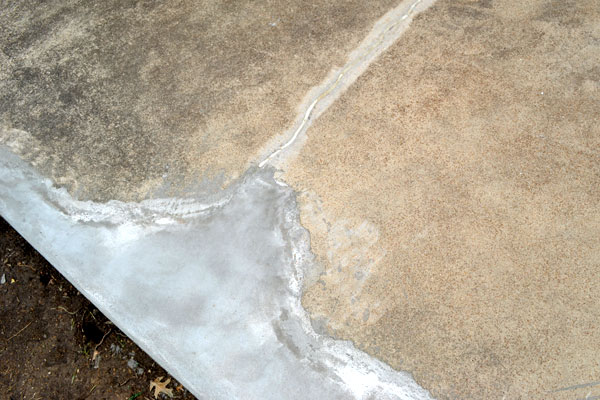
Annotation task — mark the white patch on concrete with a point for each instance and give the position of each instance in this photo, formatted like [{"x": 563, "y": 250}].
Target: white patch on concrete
[{"x": 211, "y": 291}]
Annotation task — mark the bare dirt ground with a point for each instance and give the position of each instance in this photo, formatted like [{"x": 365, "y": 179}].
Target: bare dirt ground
[{"x": 54, "y": 344}]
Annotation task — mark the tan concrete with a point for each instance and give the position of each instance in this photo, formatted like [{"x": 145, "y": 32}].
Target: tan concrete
[
  {"x": 117, "y": 99},
  {"x": 453, "y": 198}
]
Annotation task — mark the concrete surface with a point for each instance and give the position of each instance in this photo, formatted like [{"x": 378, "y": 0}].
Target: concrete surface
[
  {"x": 448, "y": 178},
  {"x": 108, "y": 109},
  {"x": 137, "y": 99},
  {"x": 453, "y": 199}
]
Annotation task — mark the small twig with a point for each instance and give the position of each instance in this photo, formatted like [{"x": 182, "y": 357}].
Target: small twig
[
  {"x": 22, "y": 329},
  {"x": 92, "y": 389},
  {"x": 121, "y": 384},
  {"x": 67, "y": 311},
  {"x": 102, "y": 340},
  {"x": 25, "y": 265}
]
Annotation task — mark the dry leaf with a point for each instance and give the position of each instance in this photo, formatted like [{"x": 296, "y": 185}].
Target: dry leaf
[{"x": 160, "y": 386}]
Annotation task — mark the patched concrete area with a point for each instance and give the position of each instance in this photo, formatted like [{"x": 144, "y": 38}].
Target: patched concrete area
[
  {"x": 130, "y": 100},
  {"x": 453, "y": 198},
  {"x": 211, "y": 291}
]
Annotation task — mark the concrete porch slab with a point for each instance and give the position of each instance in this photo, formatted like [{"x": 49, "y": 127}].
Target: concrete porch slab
[
  {"x": 443, "y": 207},
  {"x": 130, "y": 137}
]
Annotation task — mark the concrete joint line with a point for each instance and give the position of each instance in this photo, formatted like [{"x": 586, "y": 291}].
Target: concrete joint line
[{"x": 384, "y": 33}]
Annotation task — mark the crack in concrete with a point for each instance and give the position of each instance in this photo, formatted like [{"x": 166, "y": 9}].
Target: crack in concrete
[{"x": 384, "y": 33}]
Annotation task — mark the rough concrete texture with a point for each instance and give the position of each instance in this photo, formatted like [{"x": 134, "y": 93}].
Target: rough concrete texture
[
  {"x": 124, "y": 100},
  {"x": 453, "y": 198}
]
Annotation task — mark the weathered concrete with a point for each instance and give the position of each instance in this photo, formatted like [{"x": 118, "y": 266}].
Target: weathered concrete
[
  {"x": 133, "y": 101},
  {"x": 129, "y": 100},
  {"x": 453, "y": 198},
  {"x": 452, "y": 194}
]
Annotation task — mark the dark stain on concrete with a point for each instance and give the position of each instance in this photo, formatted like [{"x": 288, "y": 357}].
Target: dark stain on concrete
[{"x": 120, "y": 97}]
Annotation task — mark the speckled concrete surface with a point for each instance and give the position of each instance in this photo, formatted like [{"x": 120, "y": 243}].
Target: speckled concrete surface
[
  {"x": 453, "y": 198},
  {"x": 452, "y": 194},
  {"x": 129, "y": 100}
]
